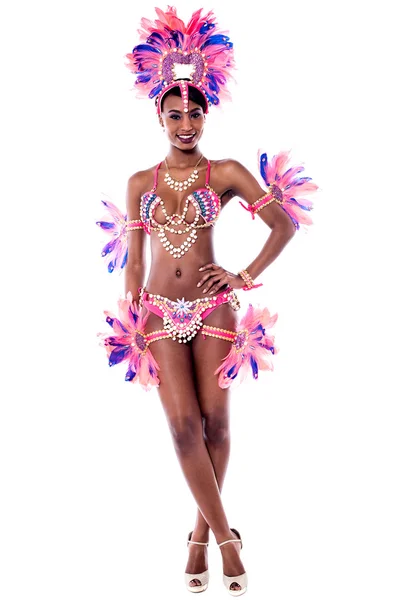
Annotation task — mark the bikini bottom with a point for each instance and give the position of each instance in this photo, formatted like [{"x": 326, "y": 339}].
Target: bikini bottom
[{"x": 252, "y": 341}]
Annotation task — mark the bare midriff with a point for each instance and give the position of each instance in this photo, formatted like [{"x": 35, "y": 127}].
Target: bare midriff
[{"x": 163, "y": 278}]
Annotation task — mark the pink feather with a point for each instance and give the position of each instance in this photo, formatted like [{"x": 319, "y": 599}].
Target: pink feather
[
  {"x": 128, "y": 343},
  {"x": 168, "y": 32},
  {"x": 252, "y": 350},
  {"x": 114, "y": 225},
  {"x": 292, "y": 188}
]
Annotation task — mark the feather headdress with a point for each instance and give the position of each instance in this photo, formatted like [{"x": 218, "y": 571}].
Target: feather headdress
[{"x": 171, "y": 53}]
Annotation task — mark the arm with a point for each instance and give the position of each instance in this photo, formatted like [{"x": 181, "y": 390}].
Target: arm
[
  {"x": 136, "y": 262},
  {"x": 244, "y": 185}
]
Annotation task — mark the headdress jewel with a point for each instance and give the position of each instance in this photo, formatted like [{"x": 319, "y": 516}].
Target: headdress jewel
[{"x": 171, "y": 53}]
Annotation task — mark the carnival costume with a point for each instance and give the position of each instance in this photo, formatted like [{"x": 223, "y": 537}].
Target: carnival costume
[{"x": 197, "y": 55}]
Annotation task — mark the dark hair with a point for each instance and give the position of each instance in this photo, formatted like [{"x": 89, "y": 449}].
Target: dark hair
[{"x": 194, "y": 95}]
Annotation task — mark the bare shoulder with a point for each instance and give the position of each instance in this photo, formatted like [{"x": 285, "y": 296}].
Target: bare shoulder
[
  {"x": 228, "y": 170},
  {"x": 227, "y": 165},
  {"x": 228, "y": 173},
  {"x": 142, "y": 181}
]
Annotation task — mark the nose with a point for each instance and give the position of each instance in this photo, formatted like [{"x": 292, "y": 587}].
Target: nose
[{"x": 186, "y": 125}]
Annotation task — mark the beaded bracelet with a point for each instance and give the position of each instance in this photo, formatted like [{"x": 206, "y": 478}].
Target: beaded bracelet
[
  {"x": 248, "y": 281},
  {"x": 134, "y": 224}
]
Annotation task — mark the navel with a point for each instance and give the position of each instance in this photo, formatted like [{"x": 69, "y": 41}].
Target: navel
[{"x": 178, "y": 272}]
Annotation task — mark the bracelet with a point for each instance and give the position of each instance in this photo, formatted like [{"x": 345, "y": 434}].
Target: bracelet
[
  {"x": 248, "y": 281},
  {"x": 134, "y": 224}
]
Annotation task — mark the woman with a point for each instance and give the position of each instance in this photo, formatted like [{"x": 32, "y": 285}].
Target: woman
[{"x": 177, "y": 203}]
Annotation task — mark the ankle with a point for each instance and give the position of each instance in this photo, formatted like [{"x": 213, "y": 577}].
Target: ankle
[
  {"x": 200, "y": 536},
  {"x": 223, "y": 537}
]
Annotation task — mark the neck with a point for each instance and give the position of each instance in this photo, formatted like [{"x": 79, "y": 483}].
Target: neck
[{"x": 183, "y": 159}]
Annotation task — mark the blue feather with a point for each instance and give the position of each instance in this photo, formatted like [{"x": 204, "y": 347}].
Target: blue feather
[
  {"x": 134, "y": 315},
  {"x": 217, "y": 39},
  {"x": 155, "y": 91},
  {"x": 300, "y": 180},
  {"x": 206, "y": 27},
  {"x": 124, "y": 260},
  {"x": 231, "y": 370},
  {"x": 155, "y": 39},
  {"x": 109, "y": 247},
  {"x": 105, "y": 225},
  {"x": 254, "y": 367},
  {"x": 145, "y": 48},
  {"x": 113, "y": 340},
  {"x": 263, "y": 166},
  {"x": 130, "y": 374},
  {"x": 118, "y": 355},
  {"x": 177, "y": 37},
  {"x": 300, "y": 205},
  {"x": 144, "y": 77},
  {"x": 213, "y": 85}
]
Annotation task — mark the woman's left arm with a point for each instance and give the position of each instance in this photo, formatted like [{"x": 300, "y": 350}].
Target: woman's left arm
[{"x": 244, "y": 185}]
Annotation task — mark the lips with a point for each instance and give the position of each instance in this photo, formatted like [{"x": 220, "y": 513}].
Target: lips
[{"x": 186, "y": 139}]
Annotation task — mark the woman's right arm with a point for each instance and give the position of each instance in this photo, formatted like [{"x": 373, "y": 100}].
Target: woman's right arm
[{"x": 135, "y": 267}]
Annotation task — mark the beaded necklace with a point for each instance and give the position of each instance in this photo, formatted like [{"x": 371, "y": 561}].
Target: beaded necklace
[{"x": 176, "y": 184}]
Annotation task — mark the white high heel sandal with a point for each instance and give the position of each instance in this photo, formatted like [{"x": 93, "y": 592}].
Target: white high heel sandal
[
  {"x": 202, "y": 577},
  {"x": 239, "y": 579}
]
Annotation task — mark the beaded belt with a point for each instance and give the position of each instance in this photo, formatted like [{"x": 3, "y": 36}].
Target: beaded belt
[{"x": 183, "y": 319}]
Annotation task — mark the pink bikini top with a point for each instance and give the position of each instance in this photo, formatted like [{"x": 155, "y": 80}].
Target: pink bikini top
[{"x": 206, "y": 200}]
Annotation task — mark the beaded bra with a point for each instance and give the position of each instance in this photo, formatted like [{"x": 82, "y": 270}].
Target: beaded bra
[{"x": 207, "y": 205}]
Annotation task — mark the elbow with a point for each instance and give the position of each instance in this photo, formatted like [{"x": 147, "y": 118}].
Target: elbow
[{"x": 285, "y": 227}]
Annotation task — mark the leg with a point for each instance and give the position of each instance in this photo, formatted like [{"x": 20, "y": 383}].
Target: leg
[
  {"x": 214, "y": 406},
  {"x": 184, "y": 418}
]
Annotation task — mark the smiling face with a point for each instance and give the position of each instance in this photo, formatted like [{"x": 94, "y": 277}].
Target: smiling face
[{"x": 184, "y": 130}]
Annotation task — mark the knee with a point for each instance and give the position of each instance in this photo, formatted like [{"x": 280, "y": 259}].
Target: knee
[
  {"x": 216, "y": 428},
  {"x": 186, "y": 433}
]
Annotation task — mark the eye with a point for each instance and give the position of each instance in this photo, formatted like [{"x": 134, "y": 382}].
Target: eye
[
  {"x": 174, "y": 117},
  {"x": 196, "y": 115}
]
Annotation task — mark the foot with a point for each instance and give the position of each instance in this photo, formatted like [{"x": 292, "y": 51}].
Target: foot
[
  {"x": 232, "y": 565},
  {"x": 198, "y": 558}
]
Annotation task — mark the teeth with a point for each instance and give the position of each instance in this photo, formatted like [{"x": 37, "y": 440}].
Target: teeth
[{"x": 186, "y": 137}]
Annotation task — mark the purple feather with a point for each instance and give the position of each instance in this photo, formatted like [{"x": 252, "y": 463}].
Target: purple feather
[{"x": 118, "y": 355}]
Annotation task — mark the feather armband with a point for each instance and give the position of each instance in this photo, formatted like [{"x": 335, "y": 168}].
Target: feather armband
[
  {"x": 285, "y": 188},
  {"x": 116, "y": 225}
]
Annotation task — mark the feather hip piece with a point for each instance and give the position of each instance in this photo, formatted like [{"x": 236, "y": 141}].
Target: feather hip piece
[
  {"x": 252, "y": 348},
  {"x": 129, "y": 343}
]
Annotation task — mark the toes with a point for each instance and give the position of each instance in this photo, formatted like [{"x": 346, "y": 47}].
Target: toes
[
  {"x": 235, "y": 586},
  {"x": 194, "y": 582}
]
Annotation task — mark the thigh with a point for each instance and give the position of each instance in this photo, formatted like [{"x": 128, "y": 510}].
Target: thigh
[
  {"x": 177, "y": 388},
  {"x": 207, "y": 356}
]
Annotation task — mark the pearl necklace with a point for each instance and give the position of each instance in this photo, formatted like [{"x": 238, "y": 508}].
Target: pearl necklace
[
  {"x": 176, "y": 220},
  {"x": 178, "y": 185}
]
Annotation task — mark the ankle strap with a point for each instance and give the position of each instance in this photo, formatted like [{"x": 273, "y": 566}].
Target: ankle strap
[
  {"x": 226, "y": 541},
  {"x": 199, "y": 543}
]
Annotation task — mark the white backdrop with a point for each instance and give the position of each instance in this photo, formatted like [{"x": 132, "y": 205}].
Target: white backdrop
[{"x": 93, "y": 503}]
